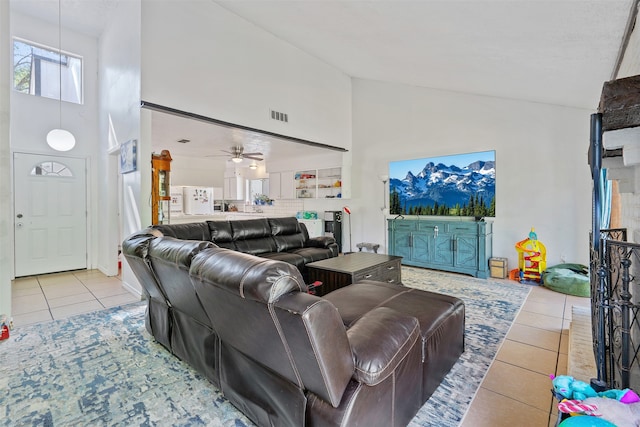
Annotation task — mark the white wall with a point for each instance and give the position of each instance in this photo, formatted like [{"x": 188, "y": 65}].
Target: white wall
[
  {"x": 205, "y": 172},
  {"x": 35, "y": 116},
  {"x": 198, "y": 57},
  {"x": 29, "y": 130},
  {"x": 542, "y": 176},
  {"x": 6, "y": 216},
  {"x": 119, "y": 122}
]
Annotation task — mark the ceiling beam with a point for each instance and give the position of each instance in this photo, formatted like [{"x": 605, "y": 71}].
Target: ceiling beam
[{"x": 194, "y": 116}]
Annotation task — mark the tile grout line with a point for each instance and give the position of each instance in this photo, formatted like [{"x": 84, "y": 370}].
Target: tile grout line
[{"x": 45, "y": 297}]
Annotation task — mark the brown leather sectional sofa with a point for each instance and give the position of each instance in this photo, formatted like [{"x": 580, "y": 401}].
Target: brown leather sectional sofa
[
  {"x": 369, "y": 354},
  {"x": 283, "y": 239}
]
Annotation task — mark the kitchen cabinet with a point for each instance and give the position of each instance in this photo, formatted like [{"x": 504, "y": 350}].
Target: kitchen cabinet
[
  {"x": 450, "y": 245},
  {"x": 281, "y": 185},
  {"x": 233, "y": 186},
  {"x": 318, "y": 183}
]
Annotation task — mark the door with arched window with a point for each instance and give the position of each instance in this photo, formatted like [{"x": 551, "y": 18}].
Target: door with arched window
[{"x": 50, "y": 215}]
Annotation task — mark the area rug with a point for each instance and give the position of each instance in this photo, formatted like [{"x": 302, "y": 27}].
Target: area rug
[{"x": 103, "y": 368}]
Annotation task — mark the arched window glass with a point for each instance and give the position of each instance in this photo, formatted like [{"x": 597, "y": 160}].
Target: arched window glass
[{"x": 50, "y": 168}]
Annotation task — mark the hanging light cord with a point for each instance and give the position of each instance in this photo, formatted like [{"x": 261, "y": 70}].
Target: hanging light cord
[{"x": 60, "y": 60}]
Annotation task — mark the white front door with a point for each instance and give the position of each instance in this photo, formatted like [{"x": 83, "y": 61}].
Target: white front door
[{"x": 50, "y": 214}]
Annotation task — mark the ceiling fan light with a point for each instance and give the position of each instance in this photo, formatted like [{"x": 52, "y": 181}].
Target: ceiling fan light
[
  {"x": 61, "y": 140},
  {"x": 253, "y": 166},
  {"x": 236, "y": 159}
]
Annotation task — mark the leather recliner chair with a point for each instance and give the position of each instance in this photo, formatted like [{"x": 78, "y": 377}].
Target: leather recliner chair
[{"x": 286, "y": 357}]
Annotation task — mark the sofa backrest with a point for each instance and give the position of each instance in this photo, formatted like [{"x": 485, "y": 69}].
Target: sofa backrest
[
  {"x": 135, "y": 249},
  {"x": 260, "y": 307},
  {"x": 253, "y": 236},
  {"x": 288, "y": 233},
  {"x": 170, "y": 260},
  {"x": 221, "y": 234},
  {"x": 190, "y": 231}
]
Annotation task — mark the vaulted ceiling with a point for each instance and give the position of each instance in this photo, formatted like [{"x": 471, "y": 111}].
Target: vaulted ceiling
[
  {"x": 556, "y": 51},
  {"x": 550, "y": 51}
]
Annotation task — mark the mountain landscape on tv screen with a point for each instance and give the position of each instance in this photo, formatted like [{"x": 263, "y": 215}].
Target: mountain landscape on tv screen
[{"x": 439, "y": 189}]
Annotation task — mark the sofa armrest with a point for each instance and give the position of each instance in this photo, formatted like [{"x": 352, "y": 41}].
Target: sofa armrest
[
  {"x": 380, "y": 340},
  {"x": 320, "y": 242}
]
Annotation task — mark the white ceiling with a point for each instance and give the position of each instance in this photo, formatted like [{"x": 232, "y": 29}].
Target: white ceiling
[
  {"x": 551, "y": 51},
  {"x": 555, "y": 51}
]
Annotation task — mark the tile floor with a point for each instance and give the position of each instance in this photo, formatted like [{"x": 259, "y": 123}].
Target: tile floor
[
  {"x": 515, "y": 390},
  {"x": 59, "y": 295}
]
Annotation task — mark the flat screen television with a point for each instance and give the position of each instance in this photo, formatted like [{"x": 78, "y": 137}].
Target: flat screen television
[{"x": 455, "y": 185}]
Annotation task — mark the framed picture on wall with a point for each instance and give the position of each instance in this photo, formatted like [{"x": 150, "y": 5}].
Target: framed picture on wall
[
  {"x": 455, "y": 185},
  {"x": 129, "y": 156}
]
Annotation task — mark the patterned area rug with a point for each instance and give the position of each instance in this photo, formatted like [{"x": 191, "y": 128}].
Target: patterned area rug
[
  {"x": 103, "y": 368},
  {"x": 490, "y": 308}
]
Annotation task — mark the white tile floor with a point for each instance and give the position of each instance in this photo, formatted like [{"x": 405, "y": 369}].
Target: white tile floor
[
  {"x": 57, "y": 296},
  {"x": 516, "y": 389}
]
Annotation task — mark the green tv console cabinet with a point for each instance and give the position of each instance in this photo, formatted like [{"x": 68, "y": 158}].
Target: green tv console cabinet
[{"x": 443, "y": 244}]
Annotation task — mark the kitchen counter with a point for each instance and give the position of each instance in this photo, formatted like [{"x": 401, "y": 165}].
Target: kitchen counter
[{"x": 223, "y": 216}]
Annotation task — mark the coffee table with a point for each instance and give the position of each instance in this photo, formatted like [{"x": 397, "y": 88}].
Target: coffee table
[{"x": 335, "y": 273}]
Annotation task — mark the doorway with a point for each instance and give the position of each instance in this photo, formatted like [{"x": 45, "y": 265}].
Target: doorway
[{"x": 50, "y": 217}]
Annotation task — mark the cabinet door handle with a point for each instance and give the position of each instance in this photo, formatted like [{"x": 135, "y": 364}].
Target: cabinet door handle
[
  {"x": 391, "y": 280},
  {"x": 368, "y": 276},
  {"x": 435, "y": 231},
  {"x": 391, "y": 267}
]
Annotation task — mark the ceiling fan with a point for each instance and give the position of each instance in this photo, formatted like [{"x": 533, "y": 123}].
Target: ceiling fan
[{"x": 237, "y": 154}]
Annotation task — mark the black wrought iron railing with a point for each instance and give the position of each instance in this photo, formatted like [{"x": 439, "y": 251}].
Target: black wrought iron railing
[{"x": 615, "y": 298}]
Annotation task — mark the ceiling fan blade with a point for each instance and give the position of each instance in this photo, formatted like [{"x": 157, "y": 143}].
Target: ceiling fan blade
[
  {"x": 252, "y": 158},
  {"x": 252, "y": 154}
]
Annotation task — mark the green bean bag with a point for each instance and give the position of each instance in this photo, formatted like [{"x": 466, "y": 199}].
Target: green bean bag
[{"x": 570, "y": 279}]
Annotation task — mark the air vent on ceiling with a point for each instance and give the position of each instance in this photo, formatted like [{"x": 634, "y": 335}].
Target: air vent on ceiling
[
  {"x": 184, "y": 141},
  {"x": 276, "y": 115}
]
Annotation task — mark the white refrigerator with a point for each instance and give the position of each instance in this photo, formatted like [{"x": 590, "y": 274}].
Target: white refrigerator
[
  {"x": 315, "y": 227},
  {"x": 197, "y": 200}
]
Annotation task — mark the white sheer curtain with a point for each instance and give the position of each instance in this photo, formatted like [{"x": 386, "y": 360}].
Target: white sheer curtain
[{"x": 605, "y": 200}]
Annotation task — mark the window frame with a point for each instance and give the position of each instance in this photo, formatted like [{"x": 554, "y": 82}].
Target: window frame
[{"x": 54, "y": 51}]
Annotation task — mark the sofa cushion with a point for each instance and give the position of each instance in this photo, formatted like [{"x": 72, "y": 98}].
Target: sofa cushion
[
  {"x": 191, "y": 231},
  {"x": 288, "y": 233},
  {"x": 312, "y": 254},
  {"x": 381, "y": 340},
  {"x": 250, "y": 277},
  {"x": 220, "y": 232},
  {"x": 247, "y": 229},
  {"x": 253, "y": 236},
  {"x": 284, "y": 226},
  {"x": 289, "y": 242},
  {"x": 178, "y": 252},
  {"x": 291, "y": 258},
  {"x": 256, "y": 246}
]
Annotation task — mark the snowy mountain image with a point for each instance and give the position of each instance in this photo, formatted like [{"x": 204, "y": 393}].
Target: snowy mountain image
[{"x": 463, "y": 185}]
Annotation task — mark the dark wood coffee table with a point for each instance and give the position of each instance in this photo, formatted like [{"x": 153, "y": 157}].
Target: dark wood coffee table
[{"x": 335, "y": 273}]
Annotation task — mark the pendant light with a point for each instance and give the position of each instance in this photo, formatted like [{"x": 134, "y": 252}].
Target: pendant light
[{"x": 60, "y": 139}]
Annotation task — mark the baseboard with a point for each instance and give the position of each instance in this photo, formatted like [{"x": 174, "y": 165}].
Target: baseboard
[{"x": 132, "y": 289}]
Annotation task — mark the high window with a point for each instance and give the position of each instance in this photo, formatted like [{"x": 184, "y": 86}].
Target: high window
[{"x": 43, "y": 71}]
